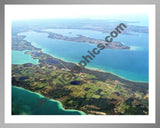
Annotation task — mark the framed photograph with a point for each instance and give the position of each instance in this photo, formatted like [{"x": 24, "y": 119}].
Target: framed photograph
[{"x": 80, "y": 63}]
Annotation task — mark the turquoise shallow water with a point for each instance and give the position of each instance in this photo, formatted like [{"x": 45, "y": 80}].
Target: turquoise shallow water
[
  {"x": 25, "y": 102},
  {"x": 18, "y": 57},
  {"x": 129, "y": 64}
]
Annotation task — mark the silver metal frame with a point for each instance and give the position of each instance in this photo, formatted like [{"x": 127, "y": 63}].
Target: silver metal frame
[{"x": 2, "y": 65}]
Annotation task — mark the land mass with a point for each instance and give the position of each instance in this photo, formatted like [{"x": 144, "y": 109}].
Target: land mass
[
  {"x": 104, "y": 26},
  {"x": 93, "y": 92},
  {"x": 81, "y": 38}
]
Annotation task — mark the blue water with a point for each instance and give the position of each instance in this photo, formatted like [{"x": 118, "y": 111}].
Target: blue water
[
  {"x": 19, "y": 57},
  {"x": 25, "y": 102},
  {"x": 130, "y": 64}
]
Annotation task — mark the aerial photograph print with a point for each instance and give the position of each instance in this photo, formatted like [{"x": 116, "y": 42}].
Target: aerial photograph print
[{"x": 79, "y": 60}]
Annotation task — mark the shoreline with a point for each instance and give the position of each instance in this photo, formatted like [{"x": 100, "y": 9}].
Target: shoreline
[
  {"x": 36, "y": 60},
  {"x": 59, "y": 103},
  {"x": 100, "y": 70},
  {"x": 89, "y": 68}
]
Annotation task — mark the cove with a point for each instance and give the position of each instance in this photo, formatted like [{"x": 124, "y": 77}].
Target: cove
[{"x": 19, "y": 57}]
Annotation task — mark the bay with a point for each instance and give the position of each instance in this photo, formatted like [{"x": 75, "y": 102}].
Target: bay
[
  {"x": 19, "y": 57},
  {"x": 129, "y": 64}
]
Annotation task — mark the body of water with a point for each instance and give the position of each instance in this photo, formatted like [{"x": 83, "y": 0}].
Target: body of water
[
  {"x": 19, "y": 57},
  {"x": 129, "y": 64}
]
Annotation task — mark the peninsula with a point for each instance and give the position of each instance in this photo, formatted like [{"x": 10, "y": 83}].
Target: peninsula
[{"x": 81, "y": 38}]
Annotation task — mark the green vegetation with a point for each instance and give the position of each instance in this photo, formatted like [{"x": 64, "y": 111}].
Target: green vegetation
[{"x": 109, "y": 98}]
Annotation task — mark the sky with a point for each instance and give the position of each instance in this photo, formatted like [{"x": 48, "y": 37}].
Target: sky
[{"x": 73, "y": 11}]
